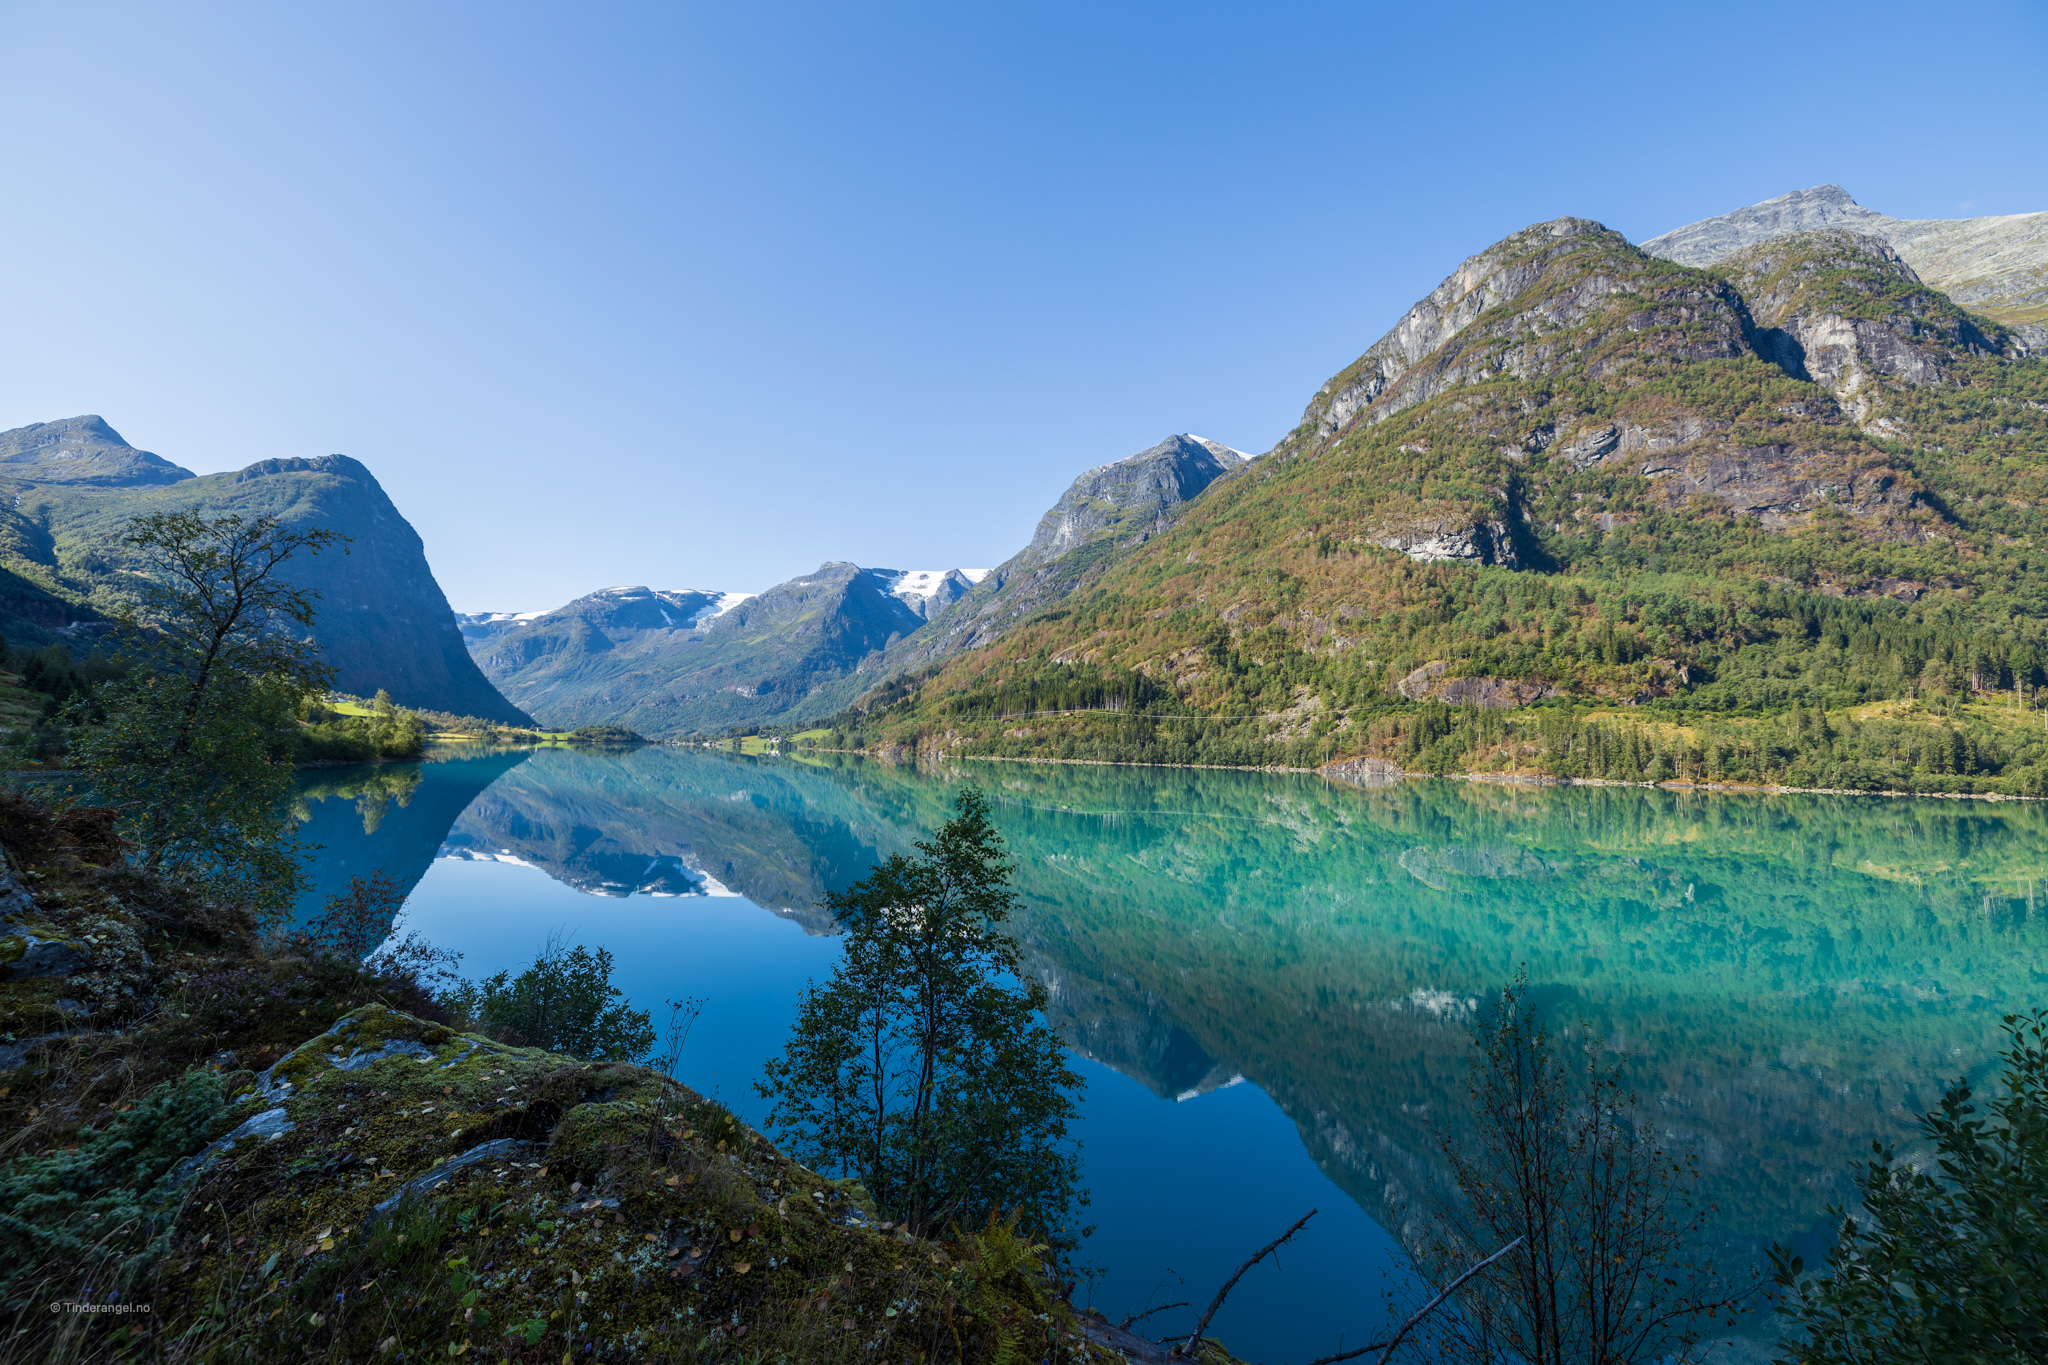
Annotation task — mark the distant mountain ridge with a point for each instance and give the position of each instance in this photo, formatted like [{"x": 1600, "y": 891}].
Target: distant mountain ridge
[
  {"x": 690, "y": 662},
  {"x": 69, "y": 488},
  {"x": 664, "y": 663},
  {"x": 1108, "y": 511},
  {"x": 1997, "y": 266},
  {"x": 634, "y": 608}
]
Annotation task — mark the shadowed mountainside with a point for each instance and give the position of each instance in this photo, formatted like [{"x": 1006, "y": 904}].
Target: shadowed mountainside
[
  {"x": 690, "y": 663},
  {"x": 694, "y": 663},
  {"x": 71, "y": 487}
]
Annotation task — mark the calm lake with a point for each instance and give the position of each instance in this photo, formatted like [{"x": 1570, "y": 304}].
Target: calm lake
[{"x": 1267, "y": 978}]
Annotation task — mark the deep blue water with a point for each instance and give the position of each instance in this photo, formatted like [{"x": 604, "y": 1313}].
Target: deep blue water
[{"x": 1266, "y": 978}]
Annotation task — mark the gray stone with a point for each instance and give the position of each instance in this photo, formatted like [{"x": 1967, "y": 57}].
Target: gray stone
[
  {"x": 397, "y": 1047},
  {"x": 1989, "y": 264},
  {"x": 502, "y": 1149},
  {"x": 13, "y": 1055},
  {"x": 266, "y": 1126},
  {"x": 43, "y": 956},
  {"x": 1591, "y": 447}
]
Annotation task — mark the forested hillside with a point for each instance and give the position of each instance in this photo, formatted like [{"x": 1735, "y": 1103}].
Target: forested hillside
[{"x": 1588, "y": 512}]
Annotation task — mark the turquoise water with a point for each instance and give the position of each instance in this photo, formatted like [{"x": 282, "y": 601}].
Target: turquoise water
[{"x": 1267, "y": 978}]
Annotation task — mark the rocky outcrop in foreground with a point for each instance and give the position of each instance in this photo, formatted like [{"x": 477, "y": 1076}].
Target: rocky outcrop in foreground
[{"x": 265, "y": 1159}]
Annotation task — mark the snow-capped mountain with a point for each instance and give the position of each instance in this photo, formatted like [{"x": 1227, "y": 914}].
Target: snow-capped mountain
[
  {"x": 928, "y": 591},
  {"x": 626, "y": 608},
  {"x": 690, "y": 660}
]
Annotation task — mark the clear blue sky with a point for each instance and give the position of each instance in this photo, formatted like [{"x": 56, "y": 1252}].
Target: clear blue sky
[{"x": 700, "y": 296}]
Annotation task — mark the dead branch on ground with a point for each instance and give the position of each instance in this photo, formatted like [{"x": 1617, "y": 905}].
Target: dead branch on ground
[{"x": 1125, "y": 1325}]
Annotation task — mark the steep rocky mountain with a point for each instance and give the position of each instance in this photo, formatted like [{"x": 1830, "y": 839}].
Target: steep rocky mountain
[
  {"x": 1108, "y": 510},
  {"x": 669, "y": 663},
  {"x": 67, "y": 490},
  {"x": 1997, "y": 266},
  {"x": 1573, "y": 469}
]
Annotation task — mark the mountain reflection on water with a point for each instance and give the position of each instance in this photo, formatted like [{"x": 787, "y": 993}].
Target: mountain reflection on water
[{"x": 1784, "y": 978}]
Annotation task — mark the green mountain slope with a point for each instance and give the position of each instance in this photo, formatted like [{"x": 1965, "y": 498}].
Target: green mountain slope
[
  {"x": 1575, "y": 471},
  {"x": 67, "y": 489}
]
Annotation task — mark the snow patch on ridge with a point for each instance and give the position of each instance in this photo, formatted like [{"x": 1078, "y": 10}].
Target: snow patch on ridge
[
  {"x": 1217, "y": 447},
  {"x": 721, "y": 604},
  {"x": 911, "y": 582},
  {"x": 491, "y": 618}
]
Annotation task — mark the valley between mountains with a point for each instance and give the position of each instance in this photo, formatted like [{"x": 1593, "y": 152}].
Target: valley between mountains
[{"x": 1760, "y": 500}]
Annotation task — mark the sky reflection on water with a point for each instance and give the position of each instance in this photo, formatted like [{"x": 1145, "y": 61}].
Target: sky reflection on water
[{"x": 1784, "y": 978}]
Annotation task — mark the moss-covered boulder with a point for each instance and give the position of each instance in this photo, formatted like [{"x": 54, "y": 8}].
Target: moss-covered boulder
[{"x": 403, "y": 1190}]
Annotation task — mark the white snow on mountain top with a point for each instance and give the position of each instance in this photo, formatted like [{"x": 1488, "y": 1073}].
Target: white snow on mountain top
[
  {"x": 491, "y": 618},
  {"x": 911, "y": 582},
  {"x": 1218, "y": 446},
  {"x": 975, "y": 575}
]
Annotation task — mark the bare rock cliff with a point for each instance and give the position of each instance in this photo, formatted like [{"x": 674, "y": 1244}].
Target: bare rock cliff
[{"x": 1997, "y": 266}]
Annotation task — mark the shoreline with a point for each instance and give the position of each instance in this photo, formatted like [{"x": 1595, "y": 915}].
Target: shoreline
[{"x": 1504, "y": 779}]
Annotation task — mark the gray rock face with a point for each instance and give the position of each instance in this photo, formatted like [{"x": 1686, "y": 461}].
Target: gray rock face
[
  {"x": 1710, "y": 239},
  {"x": 25, "y": 953},
  {"x": 1811, "y": 296},
  {"x": 1109, "y": 507},
  {"x": 82, "y": 450},
  {"x": 1997, "y": 266},
  {"x": 1593, "y": 446},
  {"x": 1434, "y": 542},
  {"x": 1485, "y": 281},
  {"x": 502, "y": 1149},
  {"x": 38, "y": 956},
  {"x": 1438, "y": 346},
  {"x": 271, "y": 1123},
  {"x": 1428, "y": 683},
  {"x": 1128, "y": 494}
]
